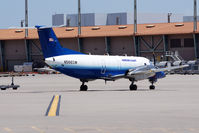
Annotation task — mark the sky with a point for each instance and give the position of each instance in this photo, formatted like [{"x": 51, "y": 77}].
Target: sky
[{"x": 41, "y": 11}]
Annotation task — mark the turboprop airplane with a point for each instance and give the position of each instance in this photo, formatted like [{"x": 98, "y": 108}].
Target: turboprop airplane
[{"x": 91, "y": 67}]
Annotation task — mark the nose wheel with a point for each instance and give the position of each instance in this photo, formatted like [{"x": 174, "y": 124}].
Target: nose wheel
[
  {"x": 152, "y": 81},
  {"x": 152, "y": 87}
]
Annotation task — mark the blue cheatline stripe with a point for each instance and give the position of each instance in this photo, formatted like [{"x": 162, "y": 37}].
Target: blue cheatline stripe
[
  {"x": 49, "y": 106},
  {"x": 58, "y": 106}
]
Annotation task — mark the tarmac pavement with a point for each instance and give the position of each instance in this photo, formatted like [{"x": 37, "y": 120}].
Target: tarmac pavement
[{"x": 172, "y": 108}]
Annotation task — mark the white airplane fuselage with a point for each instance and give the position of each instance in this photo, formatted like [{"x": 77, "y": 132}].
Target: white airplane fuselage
[{"x": 95, "y": 66}]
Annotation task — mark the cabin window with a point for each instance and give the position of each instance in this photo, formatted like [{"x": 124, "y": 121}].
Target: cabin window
[
  {"x": 188, "y": 42},
  {"x": 175, "y": 43}
]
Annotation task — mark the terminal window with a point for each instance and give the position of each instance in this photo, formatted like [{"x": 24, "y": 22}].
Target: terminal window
[
  {"x": 188, "y": 42},
  {"x": 175, "y": 43}
]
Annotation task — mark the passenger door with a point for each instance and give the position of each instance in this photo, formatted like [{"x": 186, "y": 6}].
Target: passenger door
[{"x": 103, "y": 67}]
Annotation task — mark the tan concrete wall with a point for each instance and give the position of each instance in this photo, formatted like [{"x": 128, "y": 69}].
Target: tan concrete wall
[
  {"x": 187, "y": 53},
  {"x": 35, "y": 46},
  {"x": 94, "y": 46},
  {"x": 69, "y": 43},
  {"x": 122, "y": 45},
  {"x": 37, "y": 55},
  {"x": 148, "y": 39},
  {"x": 15, "y": 49},
  {"x": 1, "y": 65},
  {"x": 14, "y": 53},
  {"x": 156, "y": 40}
]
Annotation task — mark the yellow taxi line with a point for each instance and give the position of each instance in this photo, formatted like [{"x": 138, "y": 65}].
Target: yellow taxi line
[{"x": 53, "y": 109}]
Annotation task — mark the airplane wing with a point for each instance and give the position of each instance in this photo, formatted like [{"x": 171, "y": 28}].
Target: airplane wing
[
  {"x": 141, "y": 70},
  {"x": 141, "y": 73},
  {"x": 113, "y": 78},
  {"x": 154, "y": 70},
  {"x": 45, "y": 69},
  {"x": 170, "y": 68}
]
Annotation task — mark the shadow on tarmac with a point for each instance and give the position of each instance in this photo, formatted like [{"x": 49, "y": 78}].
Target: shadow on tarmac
[{"x": 77, "y": 91}]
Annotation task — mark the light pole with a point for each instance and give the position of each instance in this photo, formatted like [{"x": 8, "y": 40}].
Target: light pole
[
  {"x": 169, "y": 17},
  {"x": 135, "y": 16},
  {"x": 79, "y": 17},
  {"x": 80, "y": 45},
  {"x": 26, "y": 18},
  {"x": 27, "y": 43},
  {"x": 195, "y": 15}
]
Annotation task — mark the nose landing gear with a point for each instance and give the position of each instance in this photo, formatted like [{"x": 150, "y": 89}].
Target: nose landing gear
[
  {"x": 152, "y": 81},
  {"x": 152, "y": 87}
]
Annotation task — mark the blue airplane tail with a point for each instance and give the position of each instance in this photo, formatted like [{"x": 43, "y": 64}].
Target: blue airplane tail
[{"x": 50, "y": 44}]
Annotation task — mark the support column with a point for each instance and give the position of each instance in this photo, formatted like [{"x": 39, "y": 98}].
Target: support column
[
  {"x": 108, "y": 45},
  {"x": 28, "y": 50},
  {"x": 80, "y": 44},
  {"x": 166, "y": 43},
  {"x": 137, "y": 45},
  {"x": 196, "y": 45},
  {"x": 2, "y": 68}
]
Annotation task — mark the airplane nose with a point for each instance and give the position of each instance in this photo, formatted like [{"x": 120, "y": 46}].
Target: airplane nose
[{"x": 49, "y": 60}]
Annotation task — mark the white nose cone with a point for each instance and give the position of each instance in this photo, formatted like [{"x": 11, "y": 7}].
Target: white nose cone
[{"x": 50, "y": 61}]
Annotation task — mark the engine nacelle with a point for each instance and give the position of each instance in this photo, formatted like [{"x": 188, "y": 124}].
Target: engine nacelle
[{"x": 160, "y": 75}]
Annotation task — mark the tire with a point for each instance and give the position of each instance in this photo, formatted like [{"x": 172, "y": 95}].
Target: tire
[
  {"x": 83, "y": 88},
  {"x": 3, "y": 89},
  {"x": 152, "y": 87},
  {"x": 14, "y": 88},
  {"x": 133, "y": 87}
]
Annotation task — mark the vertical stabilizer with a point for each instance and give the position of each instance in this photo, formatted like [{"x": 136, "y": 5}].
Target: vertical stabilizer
[{"x": 50, "y": 44}]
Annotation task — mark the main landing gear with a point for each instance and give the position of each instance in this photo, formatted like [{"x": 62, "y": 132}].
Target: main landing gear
[
  {"x": 83, "y": 87},
  {"x": 133, "y": 87}
]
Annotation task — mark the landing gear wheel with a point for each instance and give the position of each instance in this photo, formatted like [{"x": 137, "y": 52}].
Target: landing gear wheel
[
  {"x": 83, "y": 88},
  {"x": 152, "y": 87},
  {"x": 133, "y": 87},
  {"x": 14, "y": 88},
  {"x": 3, "y": 89}
]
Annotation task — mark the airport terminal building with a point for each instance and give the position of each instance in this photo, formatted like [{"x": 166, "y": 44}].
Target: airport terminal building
[{"x": 15, "y": 48}]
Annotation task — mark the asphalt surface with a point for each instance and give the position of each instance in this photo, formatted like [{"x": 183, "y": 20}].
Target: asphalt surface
[{"x": 172, "y": 108}]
